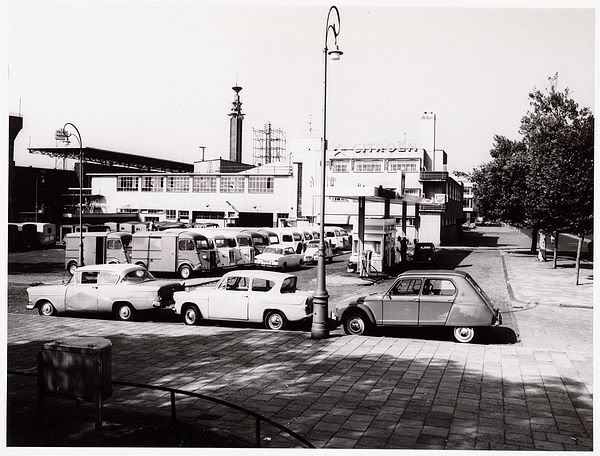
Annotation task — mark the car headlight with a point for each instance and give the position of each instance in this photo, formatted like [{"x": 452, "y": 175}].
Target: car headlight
[{"x": 274, "y": 262}]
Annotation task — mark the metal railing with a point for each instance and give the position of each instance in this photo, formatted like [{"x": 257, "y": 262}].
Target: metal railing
[
  {"x": 173, "y": 391},
  {"x": 433, "y": 175}
]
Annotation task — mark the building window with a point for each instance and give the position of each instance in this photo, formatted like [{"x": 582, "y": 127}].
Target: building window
[
  {"x": 127, "y": 210},
  {"x": 412, "y": 191},
  {"x": 152, "y": 211},
  {"x": 260, "y": 184},
  {"x": 152, "y": 184},
  {"x": 127, "y": 184},
  {"x": 151, "y": 219},
  {"x": 406, "y": 166},
  {"x": 338, "y": 199},
  {"x": 340, "y": 166},
  {"x": 368, "y": 166},
  {"x": 170, "y": 214},
  {"x": 184, "y": 214},
  {"x": 283, "y": 215},
  {"x": 178, "y": 184},
  {"x": 232, "y": 184},
  {"x": 204, "y": 184}
]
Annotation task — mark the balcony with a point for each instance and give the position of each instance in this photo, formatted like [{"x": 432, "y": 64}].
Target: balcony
[
  {"x": 433, "y": 176},
  {"x": 432, "y": 207}
]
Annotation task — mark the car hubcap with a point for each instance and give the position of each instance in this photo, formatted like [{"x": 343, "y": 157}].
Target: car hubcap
[
  {"x": 356, "y": 326},
  {"x": 190, "y": 316},
  {"x": 47, "y": 309},
  {"x": 275, "y": 321},
  {"x": 185, "y": 273},
  {"x": 124, "y": 312},
  {"x": 464, "y": 334}
]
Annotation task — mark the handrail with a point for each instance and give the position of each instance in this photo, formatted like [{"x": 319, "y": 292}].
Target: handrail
[{"x": 174, "y": 391}]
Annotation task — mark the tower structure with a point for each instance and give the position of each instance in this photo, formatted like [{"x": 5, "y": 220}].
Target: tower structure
[
  {"x": 269, "y": 146},
  {"x": 235, "y": 127}
]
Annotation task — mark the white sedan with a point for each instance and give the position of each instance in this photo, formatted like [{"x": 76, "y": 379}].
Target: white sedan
[
  {"x": 251, "y": 295},
  {"x": 277, "y": 257},
  {"x": 311, "y": 254}
]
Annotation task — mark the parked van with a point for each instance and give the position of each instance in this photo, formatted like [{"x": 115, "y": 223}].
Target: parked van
[
  {"x": 245, "y": 245},
  {"x": 259, "y": 240},
  {"x": 226, "y": 245},
  {"x": 29, "y": 235},
  {"x": 179, "y": 251},
  {"x": 291, "y": 237},
  {"x": 46, "y": 233},
  {"x": 335, "y": 237},
  {"x": 271, "y": 235},
  {"x": 15, "y": 241},
  {"x": 98, "y": 248},
  {"x": 133, "y": 227}
]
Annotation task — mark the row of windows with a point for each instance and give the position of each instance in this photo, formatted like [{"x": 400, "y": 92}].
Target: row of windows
[
  {"x": 374, "y": 166},
  {"x": 200, "y": 184}
]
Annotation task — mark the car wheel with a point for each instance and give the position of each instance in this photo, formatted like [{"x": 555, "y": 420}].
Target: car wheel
[
  {"x": 46, "y": 309},
  {"x": 185, "y": 271},
  {"x": 355, "y": 325},
  {"x": 464, "y": 334},
  {"x": 72, "y": 267},
  {"x": 124, "y": 312},
  {"x": 191, "y": 315},
  {"x": 275, "y": 321}
]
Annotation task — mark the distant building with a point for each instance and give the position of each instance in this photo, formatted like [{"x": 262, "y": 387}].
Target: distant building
[{"x": 470, "y": 211}]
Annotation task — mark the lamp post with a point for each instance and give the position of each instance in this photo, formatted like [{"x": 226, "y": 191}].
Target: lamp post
[
  {"x": 63, "y": 135},
  {"x": 321, "y": 297},
  {"x": 37, "y": 178}
]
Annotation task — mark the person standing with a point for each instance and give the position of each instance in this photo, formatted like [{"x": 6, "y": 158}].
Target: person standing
[
  {"x": 542, "y": 247},
  {"x": 403, "y": 249}
]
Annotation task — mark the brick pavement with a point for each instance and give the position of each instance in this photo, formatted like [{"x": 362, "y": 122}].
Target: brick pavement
[{"x": 346, "y": 392}]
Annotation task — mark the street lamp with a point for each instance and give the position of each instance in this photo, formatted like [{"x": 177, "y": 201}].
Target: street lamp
[
  {"x": 63, "y": 135},
  {"x": 321, "y": 297},
  {"x": 37, "y": 179}
]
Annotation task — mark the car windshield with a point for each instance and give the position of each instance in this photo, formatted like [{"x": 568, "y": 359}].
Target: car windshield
[
  {"x": 273, "y": 250},
  {"x": 243, "y": 242},
  {"x": 257, "y": 240},
  {"x": 273, "y": 239},
  {"x": 137, "y": 276},
  {"x": 313, "y": 244},
  {"x": 289, "y": 285}
]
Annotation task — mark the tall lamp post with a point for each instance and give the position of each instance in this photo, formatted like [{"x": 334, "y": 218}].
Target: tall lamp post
[
  {"x": 37, "y": 179},
  {"x": 63, "y": 135},
  {"x": 321, "y": 297}
]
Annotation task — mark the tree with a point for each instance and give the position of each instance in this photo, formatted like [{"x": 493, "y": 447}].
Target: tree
[{"x": 559, "y": 137}]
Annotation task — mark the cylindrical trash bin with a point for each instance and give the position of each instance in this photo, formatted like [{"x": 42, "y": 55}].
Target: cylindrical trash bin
[{"x": 78, "y": 367}]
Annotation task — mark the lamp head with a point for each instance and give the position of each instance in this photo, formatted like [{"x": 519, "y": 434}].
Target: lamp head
[{"x": 335, "y": 54}]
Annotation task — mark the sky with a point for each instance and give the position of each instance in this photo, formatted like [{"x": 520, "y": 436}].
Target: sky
[{"x": 154, "y": 78}]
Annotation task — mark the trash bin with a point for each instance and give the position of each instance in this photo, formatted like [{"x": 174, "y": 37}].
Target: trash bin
[{"x": 77, "y": 367}]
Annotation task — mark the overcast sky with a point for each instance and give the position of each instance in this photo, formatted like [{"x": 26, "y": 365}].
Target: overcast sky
[{"x": 155, "y": 78}]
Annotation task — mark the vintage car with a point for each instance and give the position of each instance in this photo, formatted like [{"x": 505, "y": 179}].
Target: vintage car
[
  {"x": 311, "y": 254},
  {"x": 279, "y": 257},
  {"x": 123, "y": 289},
  {"x": 424, "y": 252},
  {"x": 249, "y": 295},
  {"x": 422, "y": 298}
]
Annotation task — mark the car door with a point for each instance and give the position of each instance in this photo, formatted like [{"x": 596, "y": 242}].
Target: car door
[
  {"x": 82, "y": 293},
  {"x": 437, "y": 297},
  {"x": 230, "y": 300},
  {"x": 108, "y": 291},
  {"x": 400, "y": 306}
]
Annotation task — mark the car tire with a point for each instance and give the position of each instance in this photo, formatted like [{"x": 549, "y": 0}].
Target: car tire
[
  {"x": 46, "y": 309},
  {"x": 191, "y": 315},
  {"x": 464, "y": 334},
  {"x": 356, "y": 325},
  {"x": 185, "y": 272},
  {"x": 71, "y": 267},
  {"x": 275, "y": 321},
  {"x": 124, "y": 311}
]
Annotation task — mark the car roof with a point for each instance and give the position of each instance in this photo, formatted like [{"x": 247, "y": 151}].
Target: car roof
[
  {"x": 434, "y": 272},
  {"x": 272, "y": 275},
  {"x": 118, "y": 268}
]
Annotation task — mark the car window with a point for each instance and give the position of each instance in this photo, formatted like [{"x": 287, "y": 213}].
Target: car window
[
  {"x": 287, "y": 238},
  {"x": 220, "y": 243},
  {"x": 276, "y": 250},
  {"x": 186, "y": 244},
  {"x": 406, "y": 287},
  {"x": 329, "y": 234},
  {"x": 297, "y": 237},
  {"x": 273, "y": 239},
  {"x": 438, "y": 287},
  {"x": 262, "y": 284},
  {"x": 89, "y": 277},
  {"x": 257, "y": 240},
  {"x": 107, "y": 278},
  {"x": 114, "y": 244},
  {"x": 289, "y": 285},
  {"x": 243, "y": 242},
  {"x": 137, "y": 276},
  {"x": 231, "y": 242},
  {"x": 201, "y": 244},
  {"x": 236, "y": 283},
  {"x": 289, "y": 251}
]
